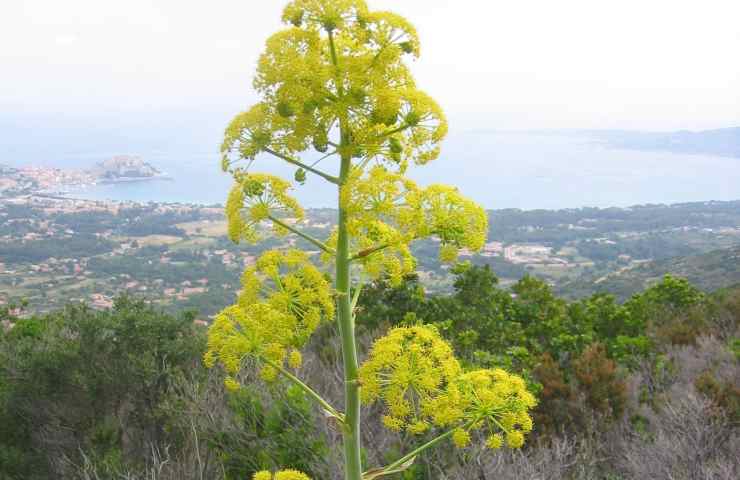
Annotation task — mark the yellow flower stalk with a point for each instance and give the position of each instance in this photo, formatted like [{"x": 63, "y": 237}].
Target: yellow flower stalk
[{"x": 334, "y": 85}]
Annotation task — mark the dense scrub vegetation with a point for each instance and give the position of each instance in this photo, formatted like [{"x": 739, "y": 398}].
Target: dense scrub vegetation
[
  {"x": 648, "y": 388},
  {"x": 558, "y": 227},
  {"x": 43, "y": 249}
]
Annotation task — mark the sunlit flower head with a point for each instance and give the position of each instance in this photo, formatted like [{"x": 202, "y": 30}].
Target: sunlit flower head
[
  {"x": 289, "y": 283},
  {"x": 254, "y": 198},
  {"x": 283, "y": 301},
  {"x": 280, "y": 475},
  {"x": 490, "y": 400},
  {"x": 388, "y": 210},
  {"x": 339, "y": 62},
  {"x": 457, "y": 221},
  {"x": 406, "y": 370}
]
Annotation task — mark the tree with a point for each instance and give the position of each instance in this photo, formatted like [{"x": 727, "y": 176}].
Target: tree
[
  {"x": 335, "y": 82},
  {"x": 103, "y": 376}
]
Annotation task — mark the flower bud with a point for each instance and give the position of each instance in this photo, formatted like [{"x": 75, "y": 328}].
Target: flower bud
[
  {"x": 261, "y": 139},
  {"x": 321, "y": 142},
  {"x": 412, "y": 118},
  {"x": 514, "y": 439},
  {"x": 460, "y": 438},
  {"x": 358, "y": 152},
  {"x": 295, "y": 359},
  {"x": 395, "y": 145},
  {"x": 310, "y": 105},
  {"x": 253, "y": 188},
  {"x": 297, "y": 19},
  {"x": 285, "y": 110},
  {"x": 300, "y": 176},
  {"x": 358, "y": 95},
  {"x": 495, "y": 441},
  {"x": 385, "y": 118},
  {"x": 407, "y": 47}
]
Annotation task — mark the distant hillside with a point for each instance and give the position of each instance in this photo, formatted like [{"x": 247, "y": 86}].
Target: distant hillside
[
  {"x": 708, "y": 271},
  {"x": 723, "y": 142}
]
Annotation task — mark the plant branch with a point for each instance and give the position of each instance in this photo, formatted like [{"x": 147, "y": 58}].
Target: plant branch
[
  {"x": 310, "y": 391},
  {"x": 409, "y": 456},
  {"x": 403, "y": 127},
  {"x": 323, "y": 158},
  {"x": 304, "y": 236},
  {"x": 356, "y": 295},
  {"x": 369, "y": 251},
  {"x": 333, "y": 49},
  {"x": 302, "y": 165}
]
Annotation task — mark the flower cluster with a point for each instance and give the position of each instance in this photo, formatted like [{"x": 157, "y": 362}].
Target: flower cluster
[
  {"x": 288, "y": 282},
  {"x": 413, "y": 371},
  {"x": 490, "y": 400},
  {"x": 338, "y": 61},
  {"x": 284, "y": 298},
  {"x": 254, "y": 198},
  {"x": 377, "y": 216},
  {"x": 280, "y": 475},
  {"x": 457, "y": 221},
  {"x": 386, "y": 212},
  {"x": 407, "y": 369}
]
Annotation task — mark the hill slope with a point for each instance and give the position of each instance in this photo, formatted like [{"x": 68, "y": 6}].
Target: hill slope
[{"x": 708, "y": 271}]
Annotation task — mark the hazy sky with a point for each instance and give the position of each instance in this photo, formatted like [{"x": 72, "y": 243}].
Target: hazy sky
[{"x": 500, "y": 64}]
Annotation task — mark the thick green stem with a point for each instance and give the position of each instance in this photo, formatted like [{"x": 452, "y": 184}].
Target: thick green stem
[{"x": 352, "y": 441}]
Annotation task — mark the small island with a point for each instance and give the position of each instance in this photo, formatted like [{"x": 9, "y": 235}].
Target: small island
[{"x": 125, "y": 168}]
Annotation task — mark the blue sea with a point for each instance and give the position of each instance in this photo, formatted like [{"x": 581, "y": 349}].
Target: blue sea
[{"x": 527, "y": 170}]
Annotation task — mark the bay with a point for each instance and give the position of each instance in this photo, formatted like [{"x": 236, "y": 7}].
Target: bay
[{"x": 527, "y": 170}]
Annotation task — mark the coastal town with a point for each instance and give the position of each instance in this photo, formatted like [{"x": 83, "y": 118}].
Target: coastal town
[
  {"x": 27, "y": 180},
  {"x": 55, "y": 248}
]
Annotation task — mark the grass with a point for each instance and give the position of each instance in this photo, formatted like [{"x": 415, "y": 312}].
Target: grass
[{"x": 206, "y": 228}]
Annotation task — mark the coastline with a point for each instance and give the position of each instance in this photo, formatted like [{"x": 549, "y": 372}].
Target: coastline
[{"x": 113, "y": 181}]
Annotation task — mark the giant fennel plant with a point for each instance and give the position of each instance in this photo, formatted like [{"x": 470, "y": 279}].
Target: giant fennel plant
[{"x": 334, "y": 84}]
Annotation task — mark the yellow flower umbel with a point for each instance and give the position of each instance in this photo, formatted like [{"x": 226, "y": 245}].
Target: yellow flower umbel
[
  {"x": 304, "y": 95},
  {"x": 491, "y": 400},
  {"x": 387, "y": 212},
  {"x": 255, "y": 198},
  {"x": 378, "y": 217},
  {"x": 457, "y": 221},
  {"x": 289, "y": 283},
  {"x": 413, "y": 371},
  {"x": 280, "y": 475},
  {"x": 284, "y": 298},
  {"x": 407, "y": 369}
]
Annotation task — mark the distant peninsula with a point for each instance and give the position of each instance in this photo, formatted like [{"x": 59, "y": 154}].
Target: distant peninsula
[
  {"x": 723, "y": 142},
  {"x": 28, "y": 180},
  {"x": 125, "y": 168}
]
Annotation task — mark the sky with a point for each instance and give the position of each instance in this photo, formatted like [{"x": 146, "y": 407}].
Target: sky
[{"x": 515, "y": 64}]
